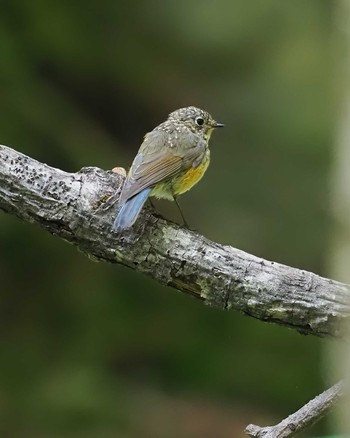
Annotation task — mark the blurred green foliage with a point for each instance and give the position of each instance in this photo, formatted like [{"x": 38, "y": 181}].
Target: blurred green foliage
[{"x": 98, "y": 351}]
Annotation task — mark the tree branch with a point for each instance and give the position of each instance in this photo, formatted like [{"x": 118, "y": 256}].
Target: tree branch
[
  {"x": 305, "y": 417},
  {"x": 76, "y": 207}
]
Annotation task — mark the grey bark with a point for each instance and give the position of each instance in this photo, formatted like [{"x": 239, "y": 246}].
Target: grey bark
[
  {"x": 80, "y": 208},
  {"x": 302, "y": 419}
]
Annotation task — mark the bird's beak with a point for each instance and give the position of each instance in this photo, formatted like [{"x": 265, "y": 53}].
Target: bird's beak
[{"x": 218, "y": 125}]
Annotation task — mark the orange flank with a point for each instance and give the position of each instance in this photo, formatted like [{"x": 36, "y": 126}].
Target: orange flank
[{"x": 188, "y": 179}]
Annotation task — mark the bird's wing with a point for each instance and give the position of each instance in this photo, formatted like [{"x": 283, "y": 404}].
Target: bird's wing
[{"x": 156, "y": 164}]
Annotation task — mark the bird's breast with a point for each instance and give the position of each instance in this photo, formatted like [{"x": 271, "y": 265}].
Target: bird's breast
[{"x": 191, "y": 176}]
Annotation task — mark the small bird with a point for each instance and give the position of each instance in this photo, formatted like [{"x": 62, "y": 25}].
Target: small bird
[{"x": 171, "y": 160}]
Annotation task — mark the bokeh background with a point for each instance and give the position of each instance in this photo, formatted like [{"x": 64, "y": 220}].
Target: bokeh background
[{"x": 96, "y": 350}]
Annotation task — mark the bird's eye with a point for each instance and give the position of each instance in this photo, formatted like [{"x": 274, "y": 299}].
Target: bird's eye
[{"x": 199, "y": 121}]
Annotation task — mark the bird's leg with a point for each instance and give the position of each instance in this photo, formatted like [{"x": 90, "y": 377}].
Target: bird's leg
[
  {"x": 183, "y": 217},
  {"x": 152, "y": 205}
]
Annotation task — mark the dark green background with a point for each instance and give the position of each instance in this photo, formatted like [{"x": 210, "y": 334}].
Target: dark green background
[{"x": 93, "y": 350}]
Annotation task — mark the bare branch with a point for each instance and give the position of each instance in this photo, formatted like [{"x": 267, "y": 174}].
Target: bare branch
[
  {"x": 75, "y": 206},
  {"x": 302, "y": 419}
]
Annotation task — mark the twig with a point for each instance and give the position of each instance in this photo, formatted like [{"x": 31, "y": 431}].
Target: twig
[
  {"x": 77, "y": 208},
  {"x": 305, "y": 417}
]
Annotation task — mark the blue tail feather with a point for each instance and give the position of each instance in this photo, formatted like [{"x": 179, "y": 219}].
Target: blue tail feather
[{"x": 129, "y": 212}]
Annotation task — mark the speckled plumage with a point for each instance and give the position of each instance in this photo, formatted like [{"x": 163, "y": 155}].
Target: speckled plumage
[{"x": 172, "y": 158}]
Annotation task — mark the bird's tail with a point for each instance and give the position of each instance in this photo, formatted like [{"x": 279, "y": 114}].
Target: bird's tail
[{"x": 129, "y": 212}]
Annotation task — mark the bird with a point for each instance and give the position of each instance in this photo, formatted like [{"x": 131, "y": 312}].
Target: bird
[{"x": 172, "y": 158}]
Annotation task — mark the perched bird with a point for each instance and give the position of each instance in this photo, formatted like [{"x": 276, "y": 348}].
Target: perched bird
[{"x": 172, "y": 159}]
